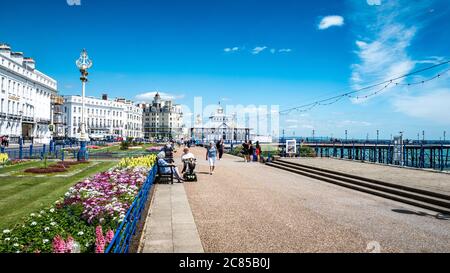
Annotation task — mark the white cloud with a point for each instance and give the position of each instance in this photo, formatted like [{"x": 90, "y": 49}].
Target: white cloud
[
  {"x": 231, "y": 49},
  {"x": 432, "y": 106},
  {"x": 384, "y": 43},
  {"x": 258, "y": 50},
  {"x": 354, "y": 123},
  {"x": 149, "y": 96},
  {"x": 285, "y": 50},
  {"x": 374, "y": 2},
  {"x": 330, "y": 21},
  {"x": 273, "y": 51}
]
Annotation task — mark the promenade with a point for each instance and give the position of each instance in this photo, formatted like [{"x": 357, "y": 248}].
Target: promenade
[{"x": 250, "y": 207}]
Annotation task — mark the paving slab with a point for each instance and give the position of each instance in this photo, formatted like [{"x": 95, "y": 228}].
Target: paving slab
[{"x": 170, "y": 226}]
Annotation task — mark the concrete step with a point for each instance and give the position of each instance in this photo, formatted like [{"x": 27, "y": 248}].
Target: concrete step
[
  {"x": 379, "y": 182},
  {"x": 387, "y": 187},
  {"x": 368, "y": 188}
]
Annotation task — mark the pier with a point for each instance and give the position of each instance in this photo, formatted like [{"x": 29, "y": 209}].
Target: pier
[{"x": 416, "y": 155}]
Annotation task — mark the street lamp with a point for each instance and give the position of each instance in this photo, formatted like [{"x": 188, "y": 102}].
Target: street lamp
[{"x": 83, "y": 63}]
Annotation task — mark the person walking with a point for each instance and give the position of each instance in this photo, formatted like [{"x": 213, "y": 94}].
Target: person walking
[
  {"x": 258, "y": 151},
  {"x": 220, "y": 148},
  {"x": 211, "y": 156},
  {"x": 245, "y": 150},
  {"x": 251, "y": 151}
]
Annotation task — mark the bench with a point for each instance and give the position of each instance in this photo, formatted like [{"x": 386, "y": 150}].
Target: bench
[{"x": 166, "y": 178}]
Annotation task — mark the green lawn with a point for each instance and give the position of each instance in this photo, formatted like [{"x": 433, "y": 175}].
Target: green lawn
[{"x": 20, "y": 196}]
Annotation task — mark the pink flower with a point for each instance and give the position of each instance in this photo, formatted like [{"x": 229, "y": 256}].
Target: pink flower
[
  {"x": 59, "y": 246},
  {"x": 69, "y": 244},
  {"x": 100, "y": 240},
  {"x": 109, "y": 236}
]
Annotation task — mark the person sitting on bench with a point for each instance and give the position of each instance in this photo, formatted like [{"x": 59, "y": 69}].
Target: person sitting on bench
[
  {"x": 168, "y": 150},
  {"x": 166, "y": 168}
]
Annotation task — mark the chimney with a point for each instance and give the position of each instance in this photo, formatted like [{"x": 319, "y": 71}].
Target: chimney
[
  {"x": 105, "y": 97},
  {"x": 17, "y": 57},
  {"x": 29, "y": 62},
  {"x": 5, "y": 50}
]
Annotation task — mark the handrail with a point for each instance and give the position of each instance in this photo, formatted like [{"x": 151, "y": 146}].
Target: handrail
[{"x": 127, "y": 229}]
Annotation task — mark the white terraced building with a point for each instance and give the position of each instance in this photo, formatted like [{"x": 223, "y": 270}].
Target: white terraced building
[
  {"x": 25, "y": 98},
  {"x": 116, "y": 118}
]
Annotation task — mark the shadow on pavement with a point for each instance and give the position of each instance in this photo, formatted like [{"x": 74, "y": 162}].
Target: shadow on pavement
[{"x": 438, "y": 216}]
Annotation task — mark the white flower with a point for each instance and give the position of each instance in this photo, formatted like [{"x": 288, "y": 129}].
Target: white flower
[
  {"x": 46, "y": 228},
  {"x": 53, "y": 223},
  {"x": 81, "y": 233},
  {"x": 7, "y": 239},
  {"x": 42, "y": 212},
  {"x": 16, "y": 245},
  {"x": 33, "y": 223},
  {"x": 6, "y": 231},
  {"x": 45, "y": 241},
  {"x": 52, "y": 210},
  {"x": 32, "y": 215}
]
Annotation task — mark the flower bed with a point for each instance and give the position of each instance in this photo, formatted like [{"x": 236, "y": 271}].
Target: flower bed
[
  {"x": 94, "y": 147},
  {"x": 3, "y": 158},
  {"x": 76, "y": 222},
  {"x": 144, "y": 161},
  {"x": 155, "y": 149},
  {"x": 59, "y": 167}
]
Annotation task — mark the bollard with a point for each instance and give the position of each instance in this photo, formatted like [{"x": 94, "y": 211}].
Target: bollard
[{"x": 31, "y": 151}]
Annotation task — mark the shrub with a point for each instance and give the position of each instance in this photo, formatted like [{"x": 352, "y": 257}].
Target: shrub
[
  {"x": 124, "y": 145},
  {"x": 307, "y": 151}
]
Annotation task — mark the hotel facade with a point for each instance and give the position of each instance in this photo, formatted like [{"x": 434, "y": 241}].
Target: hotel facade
[
  {"x": 27, "y": 97},
  {"x": 104, "y": 117},
  {"x": 162, "y": 119}
]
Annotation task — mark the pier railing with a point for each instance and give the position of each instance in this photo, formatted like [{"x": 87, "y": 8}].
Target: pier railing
[{"x": 429, "y": 155}]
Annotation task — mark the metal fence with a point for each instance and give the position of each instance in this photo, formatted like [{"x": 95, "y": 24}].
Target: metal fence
[
  {"x": 127, "y": 229},
  {"x": 52, "y": 150}
]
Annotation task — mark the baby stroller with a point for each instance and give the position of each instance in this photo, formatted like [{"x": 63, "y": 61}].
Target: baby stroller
[{"x": 189, "y": 170}]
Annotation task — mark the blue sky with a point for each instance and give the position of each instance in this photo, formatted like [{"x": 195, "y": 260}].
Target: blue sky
[{"x": 285, "y": 52}]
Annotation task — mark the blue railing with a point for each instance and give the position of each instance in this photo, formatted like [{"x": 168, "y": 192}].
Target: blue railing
[{"x": 127, "y": 229}]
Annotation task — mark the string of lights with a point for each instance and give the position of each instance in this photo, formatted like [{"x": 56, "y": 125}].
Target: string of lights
[{"x": 384, "y": 84}]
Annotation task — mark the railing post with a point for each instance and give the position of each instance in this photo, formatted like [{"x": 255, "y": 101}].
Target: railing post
[
  {"x": 31, "y": 151},
  {"x": 20, "y": 150}
]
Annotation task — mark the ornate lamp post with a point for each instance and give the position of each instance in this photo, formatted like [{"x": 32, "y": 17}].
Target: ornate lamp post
[{"x": 83, "y": 63}]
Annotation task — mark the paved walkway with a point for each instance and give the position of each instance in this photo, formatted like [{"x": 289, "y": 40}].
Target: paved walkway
[
  {"x": 170, "y": 227},
  {"x": 250, "y": 207},
  {"x": 430, "y": 181}
]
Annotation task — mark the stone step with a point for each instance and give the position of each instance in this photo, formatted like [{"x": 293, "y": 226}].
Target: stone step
[{"x": 403, "y": 196}]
